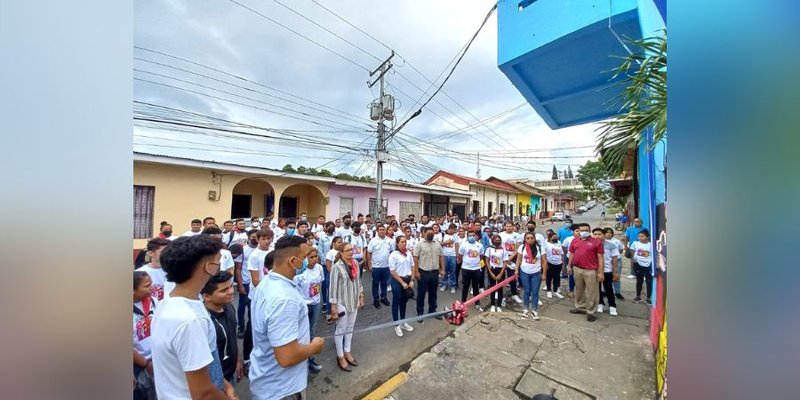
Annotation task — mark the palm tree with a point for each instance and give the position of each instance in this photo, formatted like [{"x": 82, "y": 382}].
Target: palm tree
[{"x": 643, "y": 103}]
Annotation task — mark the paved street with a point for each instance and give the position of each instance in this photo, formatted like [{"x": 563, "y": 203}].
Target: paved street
[{"x": 381, "y": 354}]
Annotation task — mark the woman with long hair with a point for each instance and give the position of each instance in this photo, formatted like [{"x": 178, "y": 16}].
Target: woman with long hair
[
  {"x": 531, "y": 264},
  {"x": 347, "y": 296},
  {"x": 401, "y": 263}
]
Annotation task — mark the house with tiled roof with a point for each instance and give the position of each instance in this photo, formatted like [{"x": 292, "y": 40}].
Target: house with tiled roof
[{"x": 487, "y": 198}]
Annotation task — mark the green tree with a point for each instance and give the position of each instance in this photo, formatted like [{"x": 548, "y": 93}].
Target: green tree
[
  {"x": 555, "y": 172},
  {"x": 302, "y": 170},
  {"x": 643, "y": 103},
  {"x": 288, "y": 168}
]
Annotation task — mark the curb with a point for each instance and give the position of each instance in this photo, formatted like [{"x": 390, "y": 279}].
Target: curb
[{"x": 387, "y": 387}]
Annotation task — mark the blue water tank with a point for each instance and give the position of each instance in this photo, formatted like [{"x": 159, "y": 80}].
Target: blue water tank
[{"x": 560, "y": 54}]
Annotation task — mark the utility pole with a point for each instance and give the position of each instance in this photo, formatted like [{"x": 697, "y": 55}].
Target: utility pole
[
  {"x": 478, "y": 172},
  {"x": 383, "y": 104}
]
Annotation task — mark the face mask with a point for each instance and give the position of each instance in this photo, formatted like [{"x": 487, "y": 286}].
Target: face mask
[
  {"x": 167, "y": 233},
  {"x": 303, "y": 268},
  {"x": 256, "y": 225},
  {"x": 531, "y": 229},
  {"x": 496, "y": 243},
  {"x": 347, "y": 224},
  {"x": 471, "y": 239},
  {"x": 585, "y": 234},
  {"x": 290, "y": 231},
  {"x": 330, "y": 231},
  {"x": 429, "y": 237},
  {"x": 253, "y": 242},
  {"x": 304, "y": 219}
]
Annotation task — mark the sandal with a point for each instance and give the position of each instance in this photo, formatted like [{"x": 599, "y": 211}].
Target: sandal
[{"x": 346, "y": 367}]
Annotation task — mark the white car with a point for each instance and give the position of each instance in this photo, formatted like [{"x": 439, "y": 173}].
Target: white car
[
  {"x": 582, "y": 209},
  {"x": 557, "y": 216}
]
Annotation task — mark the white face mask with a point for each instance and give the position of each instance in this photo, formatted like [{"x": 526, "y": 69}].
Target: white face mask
[{"x": 585, "y": 234}]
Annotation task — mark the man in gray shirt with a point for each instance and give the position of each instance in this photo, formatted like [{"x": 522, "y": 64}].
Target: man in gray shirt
[{"x": 428, "y": 269}]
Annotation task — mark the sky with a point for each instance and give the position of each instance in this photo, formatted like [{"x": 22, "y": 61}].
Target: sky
[{"x": 239, "y": 61}]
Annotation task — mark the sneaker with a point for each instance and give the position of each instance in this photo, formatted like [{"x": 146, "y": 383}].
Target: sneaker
[
  {"x": 389, "y": 289},
  {"x": 637, "y": 299},
  {"x": 517, "y": 299},
  {"x": 481, "y": 290},
  {"x": 493, "y": 309},
  {"x": 246, "y": 367},
  {"x": 377, "y": 304},
  {"x": 313, "y": 367},
  {"x": 478, "y": 307},
  {"x": 540, "y": 303},
  {"x": 324, "y": 310},
  {"x": 600, "y": 308},
  {"x": 524, "y": 313},
  {"x": 452, "y": 290},
  {"x": 631, "y": 276},
  {"x": 406, "y": 327},
  {"x": 398, "y": 331},
  {"x": 549, "y": 294},
  {"x": 442, "y": 289},
  {"x": 544, "y": 289},
  {"x": 385, "y": 302},
  {"x": 619, "y": 296},
  {"x": 420, "y": 321},
  {"x": 535, "y": 315},
  {"x": 612, "y": 311},
  {"x": 499, "y": 309},
  {"x": 503, "y": 303},
  {"x": 591, "y": 317},
  {"x": 648, "y": 301},
  {"x": 559, "y": 295}
]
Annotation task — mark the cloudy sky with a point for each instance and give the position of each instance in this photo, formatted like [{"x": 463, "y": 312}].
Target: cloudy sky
[{"x": 241, "y": 68}]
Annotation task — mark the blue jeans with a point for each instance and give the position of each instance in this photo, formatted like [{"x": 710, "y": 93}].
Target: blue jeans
[
  {"x": 314, "y": 310},
  {"x": 380, "y": 276},
  {"x": 326, "y": 301},
  {"x": 398, "y": 301},
  {"x": 244, "y": 303},
  {"x": 572, "y": 281},
  {"x": 449, "y": 280},
  {"x": 531, "y": 284},
  {"x": 617, "y": 285}
]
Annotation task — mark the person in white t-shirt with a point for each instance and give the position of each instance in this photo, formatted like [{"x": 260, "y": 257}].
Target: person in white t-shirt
[
  {"x": 378, "y": 251},
  {"x": 319, "y": 227},
  {"x": 309, "y": 284},
  {"x": 166, "y": 232},
  {"x": 449, "y": 247},
  {"x": 196, "y": 228},
  {"x": 611, "y": 260},
  {"x": 554, "y": 253},
  {"x": 642, "y": 251},
  {"x": 185, "y": 359},
  {"x": 144, "y": 305},
  {"x": 496, "y": 260},
  {"x": 280, "y": 229},
  {"x": 531, "y": 264},
  {"x": 345, "y": 229},
  {"x": 511, "y": 240},
  {"x": 255, "y": 263},
  {"x": 226, "y": 259},
  {"x": 157, "y": 274},
  {"x": 237, "y": 235},
  {"x": 469, "y": 255},
  {"x": 609, "y": 236},
  {"x": 401, "y": 264},
  {"x": 565, "y": 247},
  {"x": 411, "y": 241},
  {"x": 359, "y": 243}
]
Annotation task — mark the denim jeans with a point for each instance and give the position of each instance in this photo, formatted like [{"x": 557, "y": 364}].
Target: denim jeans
[
  {"x": 428, "y": 282},
  {"x": 398, "y": 300},
  {"x": 326, "y": 301},
  {"x": 617, "y": 285},
  {"x": 531, "y": 284},
  {"x": 314, "y": 310},
  {"x": 380, "y": 277},
  {"x": 244, "y": 303},
  {"x": 449, "y": 280}
]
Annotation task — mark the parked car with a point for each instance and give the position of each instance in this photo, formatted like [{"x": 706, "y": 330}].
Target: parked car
[
  {"x": 582, "y": 209},
  {"x": 557, "y": 216}
]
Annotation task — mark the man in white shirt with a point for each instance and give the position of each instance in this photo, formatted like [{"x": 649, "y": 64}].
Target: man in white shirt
[
  {"x": 608, "y": 233},
  {"x": 196, "y": 227},
  {"x": 378, "y": 252},
  {"x": 209, "y": 222},
  {"x": 185, "y": 359},
  {"x": 255, "y": 262},
  {"x": 281, "y": 328},
  {"x": 346, "y": 229},
  {"x": 510, "y": 241},
  {"x": 449, "y": 247},
  {"x": 237, "y": 235},
  {"x": 157, "y": 274},
  {"x": 359, "y": 243},
  {"x": 280, "y": 230},
  {"x": 319, "y": 227}
]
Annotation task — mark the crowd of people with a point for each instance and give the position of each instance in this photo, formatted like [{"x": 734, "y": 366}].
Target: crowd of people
[{"x": 290, "y": 275}]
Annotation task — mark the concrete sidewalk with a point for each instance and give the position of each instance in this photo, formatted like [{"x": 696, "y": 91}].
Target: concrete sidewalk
[{"x": 503, "y": 356}]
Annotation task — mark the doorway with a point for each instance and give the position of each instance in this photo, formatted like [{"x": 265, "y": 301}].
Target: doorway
[
  {"x": 460, "y": 210},
  {"x": 241, "y": 206},
  {"x": 288, "y": 208}
]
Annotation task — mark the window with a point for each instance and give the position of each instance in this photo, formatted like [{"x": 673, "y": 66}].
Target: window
[
  {"x": 373, "y": 203},
  {"x": 345, "y": 206},
  {"x": 143, "y": 199},
  {"x": 409, "y": 207}
]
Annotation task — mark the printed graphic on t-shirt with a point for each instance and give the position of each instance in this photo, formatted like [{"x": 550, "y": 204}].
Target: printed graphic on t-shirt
[
  {"x": 157, "y": 291},
  {"x": 472, "y": 253},
  {"x": 143, "y": 327},
  {"x": 509, "y": 246},
  {"x": 556, "y": 251},
  {"x": 495, "y": 260},
  {"x": 642, "y": 253},
  {"x": 356, "y": 250},
  {"x": 313, "y": 290},
  {"x": 528, "y": 259}
]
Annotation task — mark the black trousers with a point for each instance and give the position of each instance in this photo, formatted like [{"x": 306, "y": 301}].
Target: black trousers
[
  {"x": 608, "y": 286},
  {"x": 428, "y": 282},
  {"x": 553, "y": 278},
  {"x": 497, "y": 296},
  {"x": 643, "y": 274},
  {"x": 248, "y": 340},
  {"x": 470, "y": 278},
  {"x": 458, "y": 272}
]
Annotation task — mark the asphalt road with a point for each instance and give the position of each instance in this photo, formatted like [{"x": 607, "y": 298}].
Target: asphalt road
[{"x": 381, "y": 354}]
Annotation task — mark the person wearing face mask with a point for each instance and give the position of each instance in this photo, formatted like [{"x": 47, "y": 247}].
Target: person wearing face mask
[
  {"x": 243, "y": 279},
  {"x": 280, "y": 230},
  {"x": 496, "y": 259},
  {"x": 291, "y": 229},
  {"x": 469, "y": 255},
  {"x": 186, "y": 362},
  {"x": 281, "y": 332},
  {"x": 324, "y": 242},
  {"x": 359, "y": 243},
  {"x": 166, "y": 232},
  {"x": 565, "y": 247},
  {"x": 346, "y": 229},
  {"x": 586, "y": 256},
  {"x": 553, "y": 251},
  {"x": 309, "y": 283},
  {"x": 428, "y": 269}
]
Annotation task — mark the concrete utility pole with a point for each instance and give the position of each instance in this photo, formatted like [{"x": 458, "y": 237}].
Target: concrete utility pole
[
  {"x": 380, "y": 149},
  {"x": 478, "y": 172}
]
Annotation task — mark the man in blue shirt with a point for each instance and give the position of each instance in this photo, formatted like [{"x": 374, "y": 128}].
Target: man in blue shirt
[
  {"x": 278, "y": 364},
  {"x": 632, "y": 235},
  {"x": 565, "y": 231}
]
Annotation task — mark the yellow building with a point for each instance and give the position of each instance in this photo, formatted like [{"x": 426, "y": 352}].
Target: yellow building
[{"x": 177, "y": 190}]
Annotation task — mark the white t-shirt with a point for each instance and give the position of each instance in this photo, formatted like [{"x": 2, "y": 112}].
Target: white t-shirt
[
  {"x": 471, "y": 255},
  {"x": 142, "y": 329},
  {"x": 359, "y": 245},
  {"x": 183, "y": 339},
  {"x": 256, "y": 263},
  {"x": 496, "y": 257},
  {"x": 309, "y": 283},
  {"x": 380, "y": 250},
  {"x": 278, "y": 233},
  {"x": 237, "y": 237},
  {"x": 190, "y": 233},
  {"x": 331, "y": 256},
  {"x": 343, "y": 232},
  {"x": 565, "y": 245},
  {"x": 402, "y": 264},
  {"x": 411, "y": 243},
  {"x": 159, "y": 278},
  {"x": 618, "y": 243},
  {"x": 225, "y": 260},
  {"x": 449, "y": 250},
  {"x": 247, "y": 250},
  {"x": 510, "y": 241},
  {"x": 610, "y": 252},
  {"x": 554, "y": 253},
  {"x": 529, "y": 265},
  {"x": 317, "y": 229},
  {"x": 642, "y": 253}
]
